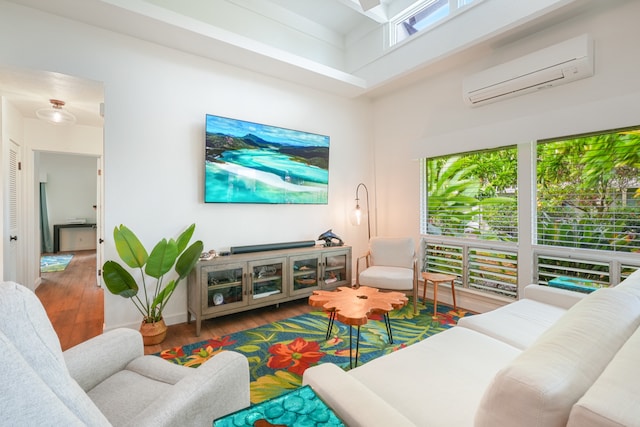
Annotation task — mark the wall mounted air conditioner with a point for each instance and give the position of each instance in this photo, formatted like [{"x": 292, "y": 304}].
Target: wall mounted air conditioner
[{"x": 555, "y": 65}]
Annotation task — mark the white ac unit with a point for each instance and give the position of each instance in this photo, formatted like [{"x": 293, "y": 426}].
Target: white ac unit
[{"x": 555, "y": 65}]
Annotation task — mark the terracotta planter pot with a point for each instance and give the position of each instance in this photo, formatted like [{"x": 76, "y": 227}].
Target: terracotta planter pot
[{"x": 153, "y": 333}]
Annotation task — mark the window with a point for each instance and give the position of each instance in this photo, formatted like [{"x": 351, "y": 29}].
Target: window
[
  {"x": 424, "y": 15},
  {"x": 473, "y": 195},
  {"x": 588, "y": 192},
  {"x": 584, "y": 212}
]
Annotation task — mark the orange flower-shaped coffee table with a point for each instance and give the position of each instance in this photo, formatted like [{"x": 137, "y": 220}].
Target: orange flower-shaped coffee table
[{"x": 353, "y": 306}]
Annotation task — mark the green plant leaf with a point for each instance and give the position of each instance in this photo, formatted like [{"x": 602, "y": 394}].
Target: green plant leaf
[
  {"x": 131, "y": 251},
  {"x": 185, "y": 237},
  {"x": 161, "y": 259},
  {"x": 188, "y": 259},
  {"x": 164, "y": 294},
  {"x": 118, "y": 280}
]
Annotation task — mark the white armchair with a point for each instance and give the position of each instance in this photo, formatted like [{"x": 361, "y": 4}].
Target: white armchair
[
  {"x": 390, "y": 264},
  {"x": 106, "y": 380}
]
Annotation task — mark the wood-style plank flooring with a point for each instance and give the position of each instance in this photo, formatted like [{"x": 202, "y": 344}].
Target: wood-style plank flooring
[
  {"x": 75, "y": 306},
  {"x": 73, "y": 301}
]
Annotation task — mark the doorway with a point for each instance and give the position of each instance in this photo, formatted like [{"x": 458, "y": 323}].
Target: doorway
[
  {"x": 24, "y": 92},
  {"x": 68, "y": 203},
  {"x": 70, "y": 193}
]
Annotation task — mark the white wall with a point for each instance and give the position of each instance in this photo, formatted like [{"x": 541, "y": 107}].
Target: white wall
[
  {"x": 429, "y": 118},
  {"x": 71, "y": 192},
  {"x": 155, "y": 104}
]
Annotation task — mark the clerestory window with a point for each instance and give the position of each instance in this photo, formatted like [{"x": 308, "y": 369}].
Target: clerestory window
[{"x": 424, "y": 14}]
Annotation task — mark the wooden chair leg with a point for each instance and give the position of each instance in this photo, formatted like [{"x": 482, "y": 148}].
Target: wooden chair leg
[
  {"x": 424, "y": 293},
  {"x": 435, "y": 301},
  {"x": 453, "y": 293}
]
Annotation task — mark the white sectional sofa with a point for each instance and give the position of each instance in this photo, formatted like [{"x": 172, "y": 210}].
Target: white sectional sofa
[{"x": 553, "y": 358}]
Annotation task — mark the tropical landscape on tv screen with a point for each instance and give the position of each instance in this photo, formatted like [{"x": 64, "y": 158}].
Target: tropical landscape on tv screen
[{"x": 248, "y": 162}]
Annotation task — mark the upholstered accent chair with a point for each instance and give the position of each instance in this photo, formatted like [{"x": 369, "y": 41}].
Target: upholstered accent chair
[
  {"x": 390, "y": 264},
  {"x": 106, "y": 380}
]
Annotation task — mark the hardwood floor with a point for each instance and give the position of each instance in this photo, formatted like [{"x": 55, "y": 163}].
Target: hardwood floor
[
  {"x": 75, "y": 306},
  {"x": 73, "y": 301}
]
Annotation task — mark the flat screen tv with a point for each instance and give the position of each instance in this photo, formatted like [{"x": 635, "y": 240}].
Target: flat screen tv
[{"x": 249, "y": 162}]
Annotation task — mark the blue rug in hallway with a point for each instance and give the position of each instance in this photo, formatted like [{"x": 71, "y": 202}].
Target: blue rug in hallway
[{"x": 53, "y": 263}]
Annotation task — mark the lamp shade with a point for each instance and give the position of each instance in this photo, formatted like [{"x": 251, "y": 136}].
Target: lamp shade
[
  {"x": 56, "y": 114},
  {"x": 356, "y": 216}
]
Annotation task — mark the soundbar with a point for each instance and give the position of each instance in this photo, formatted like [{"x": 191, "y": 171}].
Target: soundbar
[{"x": 271, "y": 246}]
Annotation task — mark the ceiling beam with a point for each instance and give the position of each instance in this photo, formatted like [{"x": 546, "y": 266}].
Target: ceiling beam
[{"x": 376, "y": 13}]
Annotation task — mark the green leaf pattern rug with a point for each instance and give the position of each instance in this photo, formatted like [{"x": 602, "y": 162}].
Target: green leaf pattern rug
[{"x": 280, "y": 352}]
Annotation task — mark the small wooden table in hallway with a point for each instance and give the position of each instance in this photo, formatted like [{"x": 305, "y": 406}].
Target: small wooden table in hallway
[{"x": 436, "y": 279}]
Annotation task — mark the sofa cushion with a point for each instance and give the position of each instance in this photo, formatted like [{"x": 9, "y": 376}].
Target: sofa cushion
[
  {"x": 613, "y": 399},
  {"x": 631, "y": 284},
  {"x": 25, "y": 324},
  {"x": 25, "y": 396},
  {"x": 542, "y": 384},
  {"x": 387, "y": 277},
  {"x": 553, "y": 296},
  {"x": 518, "y": 324},
  {"x": 438, "y": 381},
  {"x": 121, "y": 396},
  {"x": 392, "y": 252},
  {"x": 355, "y": 403}
]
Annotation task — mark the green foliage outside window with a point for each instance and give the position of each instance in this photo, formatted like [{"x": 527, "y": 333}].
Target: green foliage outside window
[
  {"x": 589, "y": 192},
  {"x": 473, "y": 195}
]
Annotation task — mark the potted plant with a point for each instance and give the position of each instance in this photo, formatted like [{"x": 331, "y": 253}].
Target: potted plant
[{"x": 165, "y": 256}]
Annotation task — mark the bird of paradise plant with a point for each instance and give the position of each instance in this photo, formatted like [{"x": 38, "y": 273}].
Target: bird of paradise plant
[{"x": 165, "y": 255}]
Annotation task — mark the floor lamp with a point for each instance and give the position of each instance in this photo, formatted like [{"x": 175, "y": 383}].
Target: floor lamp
[{"x": 356, "y": 216}]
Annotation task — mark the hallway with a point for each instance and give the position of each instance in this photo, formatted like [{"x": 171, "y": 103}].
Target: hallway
[{"x": 73, "y": 301}]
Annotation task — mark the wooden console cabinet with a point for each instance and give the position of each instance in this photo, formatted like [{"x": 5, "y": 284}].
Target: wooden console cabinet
[{"x": 233, "y": 283}]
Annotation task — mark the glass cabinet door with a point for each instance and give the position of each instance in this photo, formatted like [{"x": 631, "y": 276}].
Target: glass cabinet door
[
  {"x": 267, "y": 279},
  {"x": 224, "y": 286},
  {"x": 335, "y": 269},
  {"x": 305, "y": 272}
]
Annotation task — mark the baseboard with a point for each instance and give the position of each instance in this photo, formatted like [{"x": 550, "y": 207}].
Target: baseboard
[{"x": 173, "y": 319}]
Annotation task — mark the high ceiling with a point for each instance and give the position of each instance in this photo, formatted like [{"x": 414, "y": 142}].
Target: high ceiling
[{"x": 332, "y": 45}]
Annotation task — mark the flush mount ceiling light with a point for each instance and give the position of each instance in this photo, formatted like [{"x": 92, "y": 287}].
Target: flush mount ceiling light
[{"x": 55, "y": 114}]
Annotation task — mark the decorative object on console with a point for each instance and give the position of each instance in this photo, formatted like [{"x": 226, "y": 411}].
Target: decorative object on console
[
  {"x": 163, "y": 257},
  {"x": 356, "y": 215},
  {"x": 249, "y": 162},
  {"x": 205, "y": 256},
  {"x": 330, "y": 239}
]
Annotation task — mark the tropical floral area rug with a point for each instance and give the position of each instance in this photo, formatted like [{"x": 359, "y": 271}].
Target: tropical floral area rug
[
  {"x": 53, "y": 263},
  {"x": 280, "y": 352}
]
